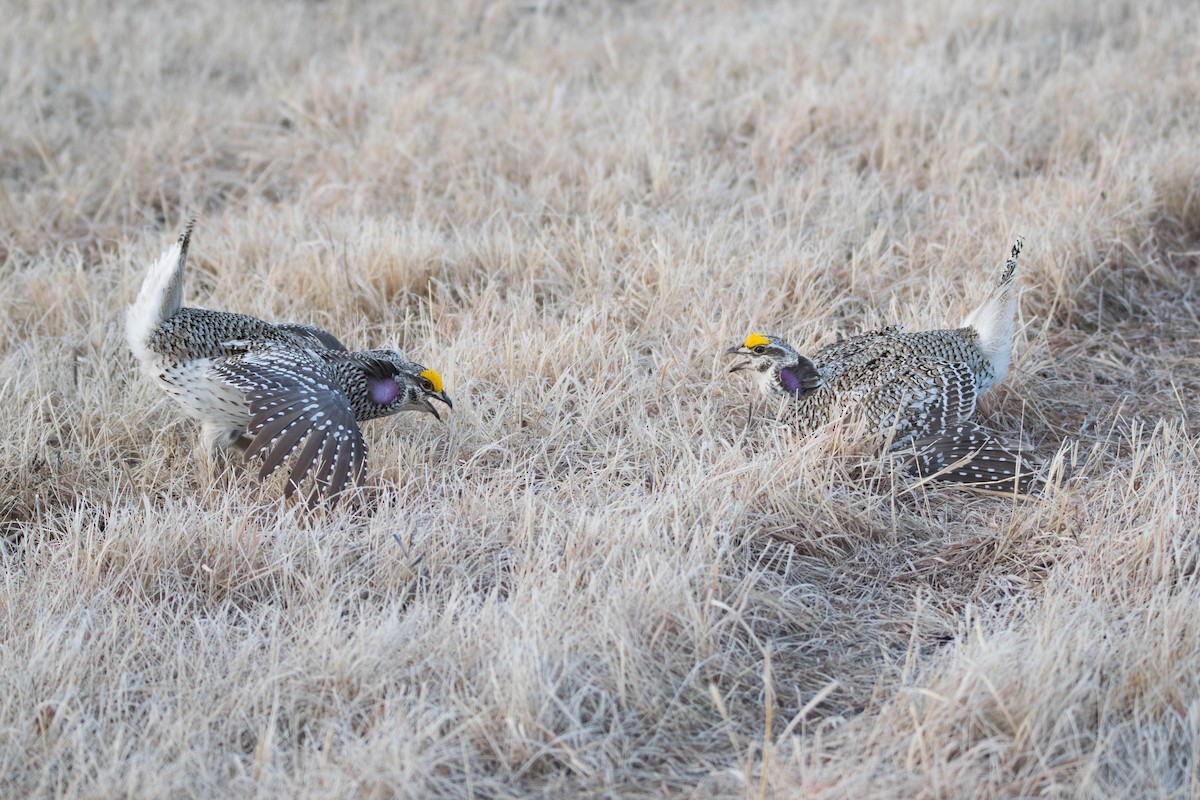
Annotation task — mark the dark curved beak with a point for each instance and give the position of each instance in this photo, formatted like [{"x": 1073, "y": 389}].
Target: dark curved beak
[
  {"x": 428, "y": 406},
  {"x": 738, "y": 351}
]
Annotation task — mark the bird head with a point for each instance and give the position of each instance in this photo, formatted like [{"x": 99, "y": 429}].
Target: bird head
[
  {"x": 395, "y": 384},
  {"x": 776, "y": 366}
]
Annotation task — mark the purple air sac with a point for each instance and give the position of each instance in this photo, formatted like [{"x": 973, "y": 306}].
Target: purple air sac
[
  {"x": 790, "y": 382},
  {"x": 383, "y": 391}
]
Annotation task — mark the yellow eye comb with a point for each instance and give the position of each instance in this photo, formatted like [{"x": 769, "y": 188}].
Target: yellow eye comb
[{"x": 433, "y": 378}]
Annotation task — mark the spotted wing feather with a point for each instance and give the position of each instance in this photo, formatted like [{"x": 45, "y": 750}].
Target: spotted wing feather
[
  {"x": 972, "y": 456},
  {"x": 296, "y": 405}
]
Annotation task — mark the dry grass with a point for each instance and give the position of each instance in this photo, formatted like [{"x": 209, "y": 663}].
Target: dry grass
[{"x": 598, "y": 579}]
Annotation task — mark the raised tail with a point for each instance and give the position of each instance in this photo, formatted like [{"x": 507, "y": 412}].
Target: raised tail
[
  {"x": 161, "y": 296},
  {"x": 993, "y": 320},
  {"x": 972, "y": 457}
]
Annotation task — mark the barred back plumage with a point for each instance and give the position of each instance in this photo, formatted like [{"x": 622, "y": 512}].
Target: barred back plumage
[
  {"x": 909, "y": 390},
  {"x": 274, "y": 391}
]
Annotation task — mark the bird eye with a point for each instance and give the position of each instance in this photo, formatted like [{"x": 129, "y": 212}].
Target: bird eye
[
  {"x": 760, "y": 349},
  {"x": 426, "y": 384}
]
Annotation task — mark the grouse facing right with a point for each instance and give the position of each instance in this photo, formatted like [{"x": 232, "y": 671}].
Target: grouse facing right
[
  {"x": 917, "y": 391},
  {"x": 267, "y": 389}
]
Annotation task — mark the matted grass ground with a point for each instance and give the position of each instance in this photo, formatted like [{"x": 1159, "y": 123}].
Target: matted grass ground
[{"x": 601, "y": 577}]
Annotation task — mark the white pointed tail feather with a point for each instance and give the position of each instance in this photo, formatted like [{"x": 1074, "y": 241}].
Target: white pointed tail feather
[
  {"x": 160, "y": 297},
  {"x": 993, "y": 319}
]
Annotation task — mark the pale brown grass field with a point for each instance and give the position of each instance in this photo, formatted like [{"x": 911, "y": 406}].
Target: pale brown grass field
[{"x": 602, "y": 577}]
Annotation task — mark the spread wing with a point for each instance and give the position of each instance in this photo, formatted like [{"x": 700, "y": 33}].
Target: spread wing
[
  {"x": 970, "y": 455},
  {"x": 297, "y": 405}
]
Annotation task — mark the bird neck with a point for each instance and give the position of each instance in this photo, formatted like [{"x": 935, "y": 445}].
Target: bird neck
[{"x": 799, "y": 378}]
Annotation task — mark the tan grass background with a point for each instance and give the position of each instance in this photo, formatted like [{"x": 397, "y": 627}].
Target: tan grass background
[{"x": 600, "y": 578}]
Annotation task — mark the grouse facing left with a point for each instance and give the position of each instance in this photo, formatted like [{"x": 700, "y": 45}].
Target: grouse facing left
[
  {"x": 271, "y": 390},
  {"x": 916, "y": 391}
]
